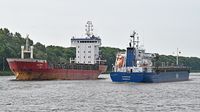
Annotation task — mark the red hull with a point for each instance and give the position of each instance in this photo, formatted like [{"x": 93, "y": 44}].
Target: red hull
[{"x": 31, "y": 69}]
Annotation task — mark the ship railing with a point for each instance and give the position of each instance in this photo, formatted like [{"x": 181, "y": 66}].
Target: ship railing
[
  {"x": 171, "y": 68},
  {"x": 99, "y": 61},
  {"x": 166, "y": 67},
  {"x": 74, "y": 66},
  {"x": 132, "y": 69},
  {"x": 71, "y": 60},
  {"x": 121, "y": 69}
]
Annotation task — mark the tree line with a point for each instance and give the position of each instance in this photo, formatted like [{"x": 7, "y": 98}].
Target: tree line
[{"x": 10, "y": 47}]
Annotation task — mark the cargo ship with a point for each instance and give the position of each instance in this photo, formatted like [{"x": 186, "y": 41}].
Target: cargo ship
[
  {"x": 135, "y": 65},
  {"x": 86, "y": 66}
]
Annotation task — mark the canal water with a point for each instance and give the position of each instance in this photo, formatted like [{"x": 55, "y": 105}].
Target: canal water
[{"x": 99, "y": 96}]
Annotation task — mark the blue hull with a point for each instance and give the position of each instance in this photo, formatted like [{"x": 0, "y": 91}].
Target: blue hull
[
  {"x": 126, "y": 77},
  {"x": 149, "y": 77}
]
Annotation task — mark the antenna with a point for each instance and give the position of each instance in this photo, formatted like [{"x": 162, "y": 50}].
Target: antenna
[
  {"x": 177, "y": 55},
  {"x": 135, "y": 40},
  {"x": 133, "y": 35},
  {"x": 89, "y": 28}
]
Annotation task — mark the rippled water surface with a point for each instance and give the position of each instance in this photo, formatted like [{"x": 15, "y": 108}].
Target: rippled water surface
[{"x": 99, "y": 96}]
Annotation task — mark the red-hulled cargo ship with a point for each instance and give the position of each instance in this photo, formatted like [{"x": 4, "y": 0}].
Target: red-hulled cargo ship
[
  {"x": 32, "y": 69},
  {"x": 86, "y": 66}
]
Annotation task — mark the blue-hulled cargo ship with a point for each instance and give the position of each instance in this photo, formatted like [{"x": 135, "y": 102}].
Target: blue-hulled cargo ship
[{"x": 135, "y": 65}]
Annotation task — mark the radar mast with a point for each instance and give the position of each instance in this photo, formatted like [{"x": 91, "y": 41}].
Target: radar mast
[
  {"x": 89, "y": 29},
  {"x": 135, "y": 40}
]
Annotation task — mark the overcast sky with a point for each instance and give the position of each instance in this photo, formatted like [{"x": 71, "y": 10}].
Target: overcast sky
[{"x": 163, "y": 25}]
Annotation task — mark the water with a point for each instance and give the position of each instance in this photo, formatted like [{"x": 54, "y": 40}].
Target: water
[{"x": 99, "y": 96}]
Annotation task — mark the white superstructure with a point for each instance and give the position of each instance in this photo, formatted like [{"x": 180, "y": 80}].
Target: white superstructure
[
  {"x": 87, "y": 48},
  {"x": 135, "y": 59}
]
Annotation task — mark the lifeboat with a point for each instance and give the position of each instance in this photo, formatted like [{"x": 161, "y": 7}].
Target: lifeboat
[{"x": 120, "y": 61}]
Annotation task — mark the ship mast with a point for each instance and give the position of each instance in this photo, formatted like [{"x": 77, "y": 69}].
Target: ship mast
[
  {"x": 135, "y": 40},
  {"x": 132, "y": 51},
  {"x": 89, "y": 28}
]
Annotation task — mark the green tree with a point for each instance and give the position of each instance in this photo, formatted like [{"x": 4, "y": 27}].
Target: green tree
[{"x": 10, "y": 47}]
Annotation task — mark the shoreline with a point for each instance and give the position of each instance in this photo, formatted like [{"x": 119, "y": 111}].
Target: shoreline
[{"x": 6, "y": 73}]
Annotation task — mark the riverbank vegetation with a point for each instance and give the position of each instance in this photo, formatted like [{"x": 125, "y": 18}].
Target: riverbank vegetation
[{"x": 10, "y": 47}]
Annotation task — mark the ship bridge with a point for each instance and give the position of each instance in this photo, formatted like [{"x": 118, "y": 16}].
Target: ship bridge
[{"x": 87, "y": 48}]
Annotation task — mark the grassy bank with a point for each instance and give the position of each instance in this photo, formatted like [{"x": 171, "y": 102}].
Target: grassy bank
[{"x": 6, "y": 73}]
